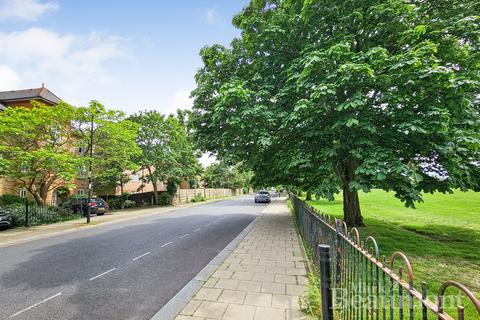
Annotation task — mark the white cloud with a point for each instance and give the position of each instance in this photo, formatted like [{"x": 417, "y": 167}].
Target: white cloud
[
  {"x": 34, "y": 44},
  {"x": 210, "y": 16},
  {"x": 72, "y": 63},
  {"x": 26, "y": 9},
  {"x": 9, "y": 79},
  {"x": 181, "y": 100},
  {"x": 207, "y": 159}
]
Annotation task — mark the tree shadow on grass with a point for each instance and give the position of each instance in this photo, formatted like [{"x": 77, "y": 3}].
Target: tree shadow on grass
[{"x": 434, "y": 239}]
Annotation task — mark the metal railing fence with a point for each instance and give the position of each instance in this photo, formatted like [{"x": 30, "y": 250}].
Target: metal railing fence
[
  {"x": 364, "y": 285},
  {"x": 29, "y": 214}
]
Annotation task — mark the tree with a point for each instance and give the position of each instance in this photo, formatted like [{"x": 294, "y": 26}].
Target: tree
[
  {"x": 353, "y": 95},
  {"x": 45, "y": 147},
  {"x": 220, "y": 175},
  {"x": 35, "y": 148},
  {"x": 114, "y": 145},
  {"x": 168, "y": 153}
]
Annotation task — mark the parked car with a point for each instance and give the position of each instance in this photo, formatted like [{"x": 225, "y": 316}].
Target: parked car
[
  {"x": 5, "y": 219},
  {"x": 262, "y": 196},
  {"x": 97, "y": 206}
]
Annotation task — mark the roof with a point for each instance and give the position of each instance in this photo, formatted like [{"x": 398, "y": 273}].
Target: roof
[{"x": 41, "y": 93}]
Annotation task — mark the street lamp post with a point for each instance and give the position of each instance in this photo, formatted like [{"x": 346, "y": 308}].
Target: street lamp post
[{"x": 89, "y": 209}]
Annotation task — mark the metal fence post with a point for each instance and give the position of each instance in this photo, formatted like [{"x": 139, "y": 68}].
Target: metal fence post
[
  {"x": 339, "y": 253},
  {"x": 325, "y": 281},
  {"x": 27, "y": 222}
]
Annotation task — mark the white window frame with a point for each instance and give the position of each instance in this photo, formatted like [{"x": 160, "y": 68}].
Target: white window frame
[
  {"x": 80, "y": 192},
  {"x": 22, "y": 192}
]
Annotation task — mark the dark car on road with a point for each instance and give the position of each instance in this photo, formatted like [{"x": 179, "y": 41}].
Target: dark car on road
[
  {"x": 97, "y": 206},
  {"x": 262, "y": 196},
  {"x": 5, "y": 219}
]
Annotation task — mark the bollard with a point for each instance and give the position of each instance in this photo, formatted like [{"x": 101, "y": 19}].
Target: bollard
[{"x": 325, "y": 281}]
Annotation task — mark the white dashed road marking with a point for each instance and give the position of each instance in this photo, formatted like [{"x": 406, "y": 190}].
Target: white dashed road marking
[
  {"x": 36, "y": 304},
  {"x": 186, "y": 234},
  {"x": 102, "y": 274},
  {"x": 141, "y": 256},
  {"x": 166, "y": 244},
  {"x": 196, "y": 230}
]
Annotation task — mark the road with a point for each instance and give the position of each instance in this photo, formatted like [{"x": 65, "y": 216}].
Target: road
[{"x": 126, "y": 270}]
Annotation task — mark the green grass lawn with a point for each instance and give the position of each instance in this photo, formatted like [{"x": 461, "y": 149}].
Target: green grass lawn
[{"x": 441, "y": 236}]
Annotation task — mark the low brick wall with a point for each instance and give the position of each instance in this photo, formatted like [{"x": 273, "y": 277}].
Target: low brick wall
[{"x": 186, "y": 195}]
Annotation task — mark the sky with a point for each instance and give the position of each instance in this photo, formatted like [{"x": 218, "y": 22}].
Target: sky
[{"x": 129, "y": 55}]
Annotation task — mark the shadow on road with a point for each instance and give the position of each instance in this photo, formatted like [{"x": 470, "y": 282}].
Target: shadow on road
[{"x": 134, "y": 290}]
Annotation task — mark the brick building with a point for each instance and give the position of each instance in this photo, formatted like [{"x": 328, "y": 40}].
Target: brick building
[{"x": 24, "y": 98}]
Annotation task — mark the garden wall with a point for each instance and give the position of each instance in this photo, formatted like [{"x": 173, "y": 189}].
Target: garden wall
[{"x": 186, "y": 195}]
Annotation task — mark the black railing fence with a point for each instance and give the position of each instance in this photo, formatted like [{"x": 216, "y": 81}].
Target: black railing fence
[
  {"x": 29, "y": 214},
  {"x": 364, "y": 285}
]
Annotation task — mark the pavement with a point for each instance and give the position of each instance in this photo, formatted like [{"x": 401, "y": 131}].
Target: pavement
[
  {"x": 131, "y": 268},
  {"x": 261, "y": 278},
  {"x": 20, "y": 235}
]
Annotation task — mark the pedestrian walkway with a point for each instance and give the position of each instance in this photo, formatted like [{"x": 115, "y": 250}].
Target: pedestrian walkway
[{"x": 261, "y": 279}]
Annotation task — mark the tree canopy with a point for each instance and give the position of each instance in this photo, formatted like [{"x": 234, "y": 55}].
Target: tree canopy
[
  {"x": 35, "y": 148},
  {"x": 221, "y": 175},
  {"x": 168, "y": 152},
  {"x": 348, "y": 95},
  {"x": 114, "y": 144},
  {"x": 46, "y": 147}
]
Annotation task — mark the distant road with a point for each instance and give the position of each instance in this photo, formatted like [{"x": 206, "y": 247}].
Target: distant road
[{"x": 126, "y": 270}]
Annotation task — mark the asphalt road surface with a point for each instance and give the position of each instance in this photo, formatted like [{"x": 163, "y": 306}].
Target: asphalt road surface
[{"x": 126, "y": 270}]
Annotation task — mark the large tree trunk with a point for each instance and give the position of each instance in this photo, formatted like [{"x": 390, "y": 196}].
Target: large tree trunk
[
  {"x": 44, "y": 192},
  {"x": 38, "y": 199},
  {"x": 37, "y": 192},
  {"x": 309, "y": 196},
  {"x": 154, "y": 184},
  {"x": 37, "y": 195},
  {"x": 352, "y": 214}
]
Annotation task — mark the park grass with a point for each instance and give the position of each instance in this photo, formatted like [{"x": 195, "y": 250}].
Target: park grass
[{"x": 441, "y": 236}]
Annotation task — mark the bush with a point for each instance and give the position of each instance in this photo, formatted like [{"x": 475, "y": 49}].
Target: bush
[
  {"x": 38, "y": 215},
  {"x": 115, "y": 203},
  {"x": 198, "y": 198},
  {"x": 8, "y": 199},
  {"x": 17, "y": 211},
  {"x": 129, "y": 204},
  {"x": 164, "y": 199}
]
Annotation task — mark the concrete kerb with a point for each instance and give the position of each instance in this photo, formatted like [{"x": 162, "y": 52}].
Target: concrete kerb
[
  {"x": 170, "y": 310},
  {"x": 104, "y": 223}
]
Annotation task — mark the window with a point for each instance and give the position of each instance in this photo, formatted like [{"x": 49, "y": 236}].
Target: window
[
  {"x": 80, "y": 192},
  {"x": 23, "y": 193},
  {"x": 134, "y": 177},
  {"x": 82, "y": 171},
  {"x": 23, "y": 167}
]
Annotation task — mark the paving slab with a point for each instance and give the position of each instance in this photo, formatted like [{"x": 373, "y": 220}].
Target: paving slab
[{"x": 262, "y": 278}]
